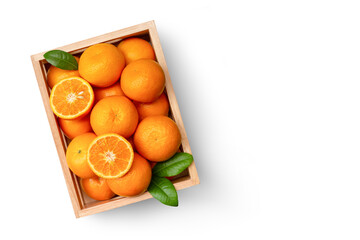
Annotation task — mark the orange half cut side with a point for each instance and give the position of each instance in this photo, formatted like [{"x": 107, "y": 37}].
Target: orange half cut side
[
  {"x": 110, "y": 156},
  {"x": 71, "y": 98}
]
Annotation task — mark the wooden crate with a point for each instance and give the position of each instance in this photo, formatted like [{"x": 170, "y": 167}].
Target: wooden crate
[{"x": 82, "y": 204}]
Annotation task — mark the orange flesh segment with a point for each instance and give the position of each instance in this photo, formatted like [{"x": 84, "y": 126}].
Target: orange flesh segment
[
  {"x": 71, "y": 97},
  {"x": 110, "y": 156}
]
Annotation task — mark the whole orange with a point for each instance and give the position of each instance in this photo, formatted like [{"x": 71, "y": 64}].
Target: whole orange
[
  {"x": 54, "y": 74},
  {"x": 113, "y": 90},
  {"x": 115, "y": 114},
  {"x": 101, "y": 64},
  {"x": 136, "y": 48},
  {"x": 159, "y": 107},
  {"x": 157, "y": 138},
  {"x": 75, "y": 127},
  {"x": 134, "y": 182},
  {"x": 76, "y": 155},
  {"x": 143, "y": 80},
  {"x": 96, "y": 188}
]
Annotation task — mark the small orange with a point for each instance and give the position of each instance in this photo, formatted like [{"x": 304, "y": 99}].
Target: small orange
[
  {"x": 76, "y": 155},
  {"x": 54, "y": 74},
  {"x": 159, "y": 107},
  {"x": 71, "y": 98},
  {"x": 115, "y": 114},
  {"x": 110, "y": 156},
  {"x": 96, "y": 188},
  {"x": 157, "y": 138},
  {"x": 113, "y": 90},
  {"x": 135, "y": 182},
  {"x": 75, "y": 127},
  {"x": 101, "y": 64},
  {"x": 143, "y": 80},
  {"x": 136, "y": 48}
]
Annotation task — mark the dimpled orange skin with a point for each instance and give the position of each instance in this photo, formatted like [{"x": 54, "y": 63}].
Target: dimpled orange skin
[
  {"x": 101, "y": 64},
  {"x": 143, "y": 80},
  {"x": 157, "y": 138},
  {"x": 135, "y": 49},
  {"x": 113, "y": 90},
  {"x": 55, "y": 74},
  {"x": 115, "y": 114},
  {"x": 159, "y": 107},
  {"x": 76, "y": 155},
  {"x": 96, "y": 188},
  {"x": 134, "y": 182},
  {"x": 75, "y": 127}
]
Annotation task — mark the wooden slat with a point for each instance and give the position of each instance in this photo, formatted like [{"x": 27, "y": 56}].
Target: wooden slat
[{"x": 122, "y": 201}]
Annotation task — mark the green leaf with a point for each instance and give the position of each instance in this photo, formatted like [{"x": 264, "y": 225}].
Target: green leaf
[
  {"x": 175, "y": 165},
  {"x": 164, "y": 191},
  {"x": 61, "y": 59}
]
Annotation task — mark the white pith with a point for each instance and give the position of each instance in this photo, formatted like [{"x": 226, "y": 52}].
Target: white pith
[
  {"x": 109, "y": 156},
  {"x": 71, "y": 97}
]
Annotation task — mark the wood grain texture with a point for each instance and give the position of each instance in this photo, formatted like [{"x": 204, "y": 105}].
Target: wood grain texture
[
  {"x": 83, "y": 205},
  {"x": 116, "y": 202}
]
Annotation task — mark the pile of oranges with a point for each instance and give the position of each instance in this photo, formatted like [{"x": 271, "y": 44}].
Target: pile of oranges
[{"x": 115, "y": 111}]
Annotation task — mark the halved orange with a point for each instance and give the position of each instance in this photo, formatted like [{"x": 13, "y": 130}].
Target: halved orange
[
  {"x": 71, "y": 98},
  {"x": 110, "y": 156}
]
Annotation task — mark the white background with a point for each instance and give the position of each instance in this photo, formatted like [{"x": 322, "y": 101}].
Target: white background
[{"x": 269, "y": 94}]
